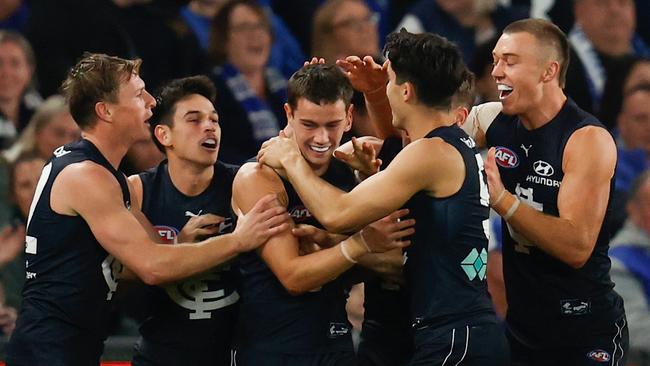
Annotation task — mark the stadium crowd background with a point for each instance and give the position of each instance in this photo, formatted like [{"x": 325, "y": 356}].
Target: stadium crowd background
[{"x": 250, "y": 48}]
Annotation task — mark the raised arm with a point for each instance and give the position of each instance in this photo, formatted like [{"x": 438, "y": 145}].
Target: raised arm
[
  {"x": 582, "y": 199},
  {"x": 120, "y": 233},
  {"x": 370, "y": 78}
]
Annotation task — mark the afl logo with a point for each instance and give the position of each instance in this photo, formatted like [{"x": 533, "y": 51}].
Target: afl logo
[
  {"x": 506, "y": 158},
  {"x": 599, "y": 355},
  {"x": 543, "y": 168},
  {"x": 167, "y": 234}
]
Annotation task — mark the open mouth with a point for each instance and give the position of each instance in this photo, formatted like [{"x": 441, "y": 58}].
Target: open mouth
[
  {"x": 209, "y": 143},
  {"x": 504, "y": 91}
]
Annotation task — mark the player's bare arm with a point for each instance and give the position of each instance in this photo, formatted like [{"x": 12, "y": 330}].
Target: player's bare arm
[
  {"x": 120, "y": 233},
  {"x": 376, "y": 196},
  {"x": 582, "y": 199},
  {"x": 298, "y": 274},
  {"x": 370, "y": 78}
]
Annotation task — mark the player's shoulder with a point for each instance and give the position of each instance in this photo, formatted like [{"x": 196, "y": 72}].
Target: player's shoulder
[{"x": 254, "y": 175}]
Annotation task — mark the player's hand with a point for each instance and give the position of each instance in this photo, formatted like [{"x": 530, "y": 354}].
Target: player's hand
[
  {"x": 314, "y": 61},
  {"x": 7, "y": 319},
  {"x": 200, "y": 227},
  {"x": 12, "y": 242},
  {"x": 359, "y": 156},
  {"x": 275, "y": 150},
  {"x": 365, "y": 75},
  {"x": 388, "y": 233},
  {"x": 265, "y": 219},
  {"x": 495, "y": 185},
  {"x": 311, "y": 234}
]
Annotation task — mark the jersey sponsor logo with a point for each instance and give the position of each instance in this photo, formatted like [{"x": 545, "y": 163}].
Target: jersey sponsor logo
[
  {"x": 526, "y": 149},
  {"x": 506, "y": 158},
  {"x": 575, "y": 307},
  {"x": 475, "y": 264},
  {"x": 167, "y": 234},
  {"x": 338, "y": 330},
  {"x": 543, "y": 181},
  {"x": 299, "y": 213},
  {"x": 192, "y": 214},
  {"x": 543, "y": 168},
  {"x": 599, "y": 355},
  {"x": 196, "y": 295},
  {"x": 60, "y": 151}
]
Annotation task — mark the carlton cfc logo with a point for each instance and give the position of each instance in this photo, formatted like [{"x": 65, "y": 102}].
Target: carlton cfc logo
[{"x": 506, "y": 158}]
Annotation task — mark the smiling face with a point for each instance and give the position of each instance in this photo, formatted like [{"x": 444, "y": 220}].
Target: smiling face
[
  {"x": 15, "y": 71},
  {"x": 195, "y": 134},
  {"x": 318, "y": 128},
  {"x": 249, "y": 39},
  {"x": 518, "y": 71}
]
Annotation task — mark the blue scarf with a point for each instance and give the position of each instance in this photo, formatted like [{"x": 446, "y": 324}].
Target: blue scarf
[{"x": 264, "y": 123}]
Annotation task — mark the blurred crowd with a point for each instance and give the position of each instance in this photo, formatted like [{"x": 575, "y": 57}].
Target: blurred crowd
[{"x": 249, "y": 48}]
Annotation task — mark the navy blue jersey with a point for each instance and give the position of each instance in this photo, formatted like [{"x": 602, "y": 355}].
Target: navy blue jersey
[
  {"x": 199, "y": 311},
  {"x": 69, "y": 276},
  {"x": 549, "y": 302},
  {"x": 446, "y": 262},
  {"x": 271, "y": 319},
  {"x": 386, "y": 337}
]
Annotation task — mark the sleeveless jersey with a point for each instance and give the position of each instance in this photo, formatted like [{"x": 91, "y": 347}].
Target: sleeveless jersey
[
  {"x": 386, "y": 320},
  {"x": 446, "y": 263},
  {"x": 549, "y": 302},
  {"x": 69, "y": 276},
  {"x": 199, "y": 311},
  {"x": 271, "y": 319}
]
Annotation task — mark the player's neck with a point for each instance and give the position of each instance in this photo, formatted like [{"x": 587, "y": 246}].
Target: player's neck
[
  {"x": 113, "y": 150},
  {"x": 190, "y": 179},
  {"x": 550, "y": 105},
  {"x": 423, "y": 120}
]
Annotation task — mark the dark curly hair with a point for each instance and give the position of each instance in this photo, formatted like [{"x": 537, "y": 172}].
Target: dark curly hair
[{"x": 432, "y": 64}]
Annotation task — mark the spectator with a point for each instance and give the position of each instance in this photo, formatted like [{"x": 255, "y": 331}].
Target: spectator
[
  {"x": 465, "y": 22},
  {"x": 50, "y": 127},
  {"x": 344, "y": 28},
  {"x": 602, "y": 39},
  {"x": 250, "y": 94},
  {"x": 13, "y": 14},
  {"x": 18, "y": 100},
  {"x": 630, "y": 253},
  {"x": 24, "y": 175}
]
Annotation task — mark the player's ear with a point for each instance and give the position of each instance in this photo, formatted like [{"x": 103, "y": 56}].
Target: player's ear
[
  {"x": 163, "y": 134},
  {"x": 103, "y": 111},
  {"x": 408, "y": 91},
  {"x": 288, "y": 111},
  {"x": 349, "y": 117},
  {"x": 551, "y": 71}
]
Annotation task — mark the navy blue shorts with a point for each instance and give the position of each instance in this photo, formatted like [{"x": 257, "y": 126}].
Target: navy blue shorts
[
  {"x": 608, "y": 348},
  {"x": 257, "y": 358},
  {"x": 470, "y": 345},
  {"x": 148, "y": 353}
]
